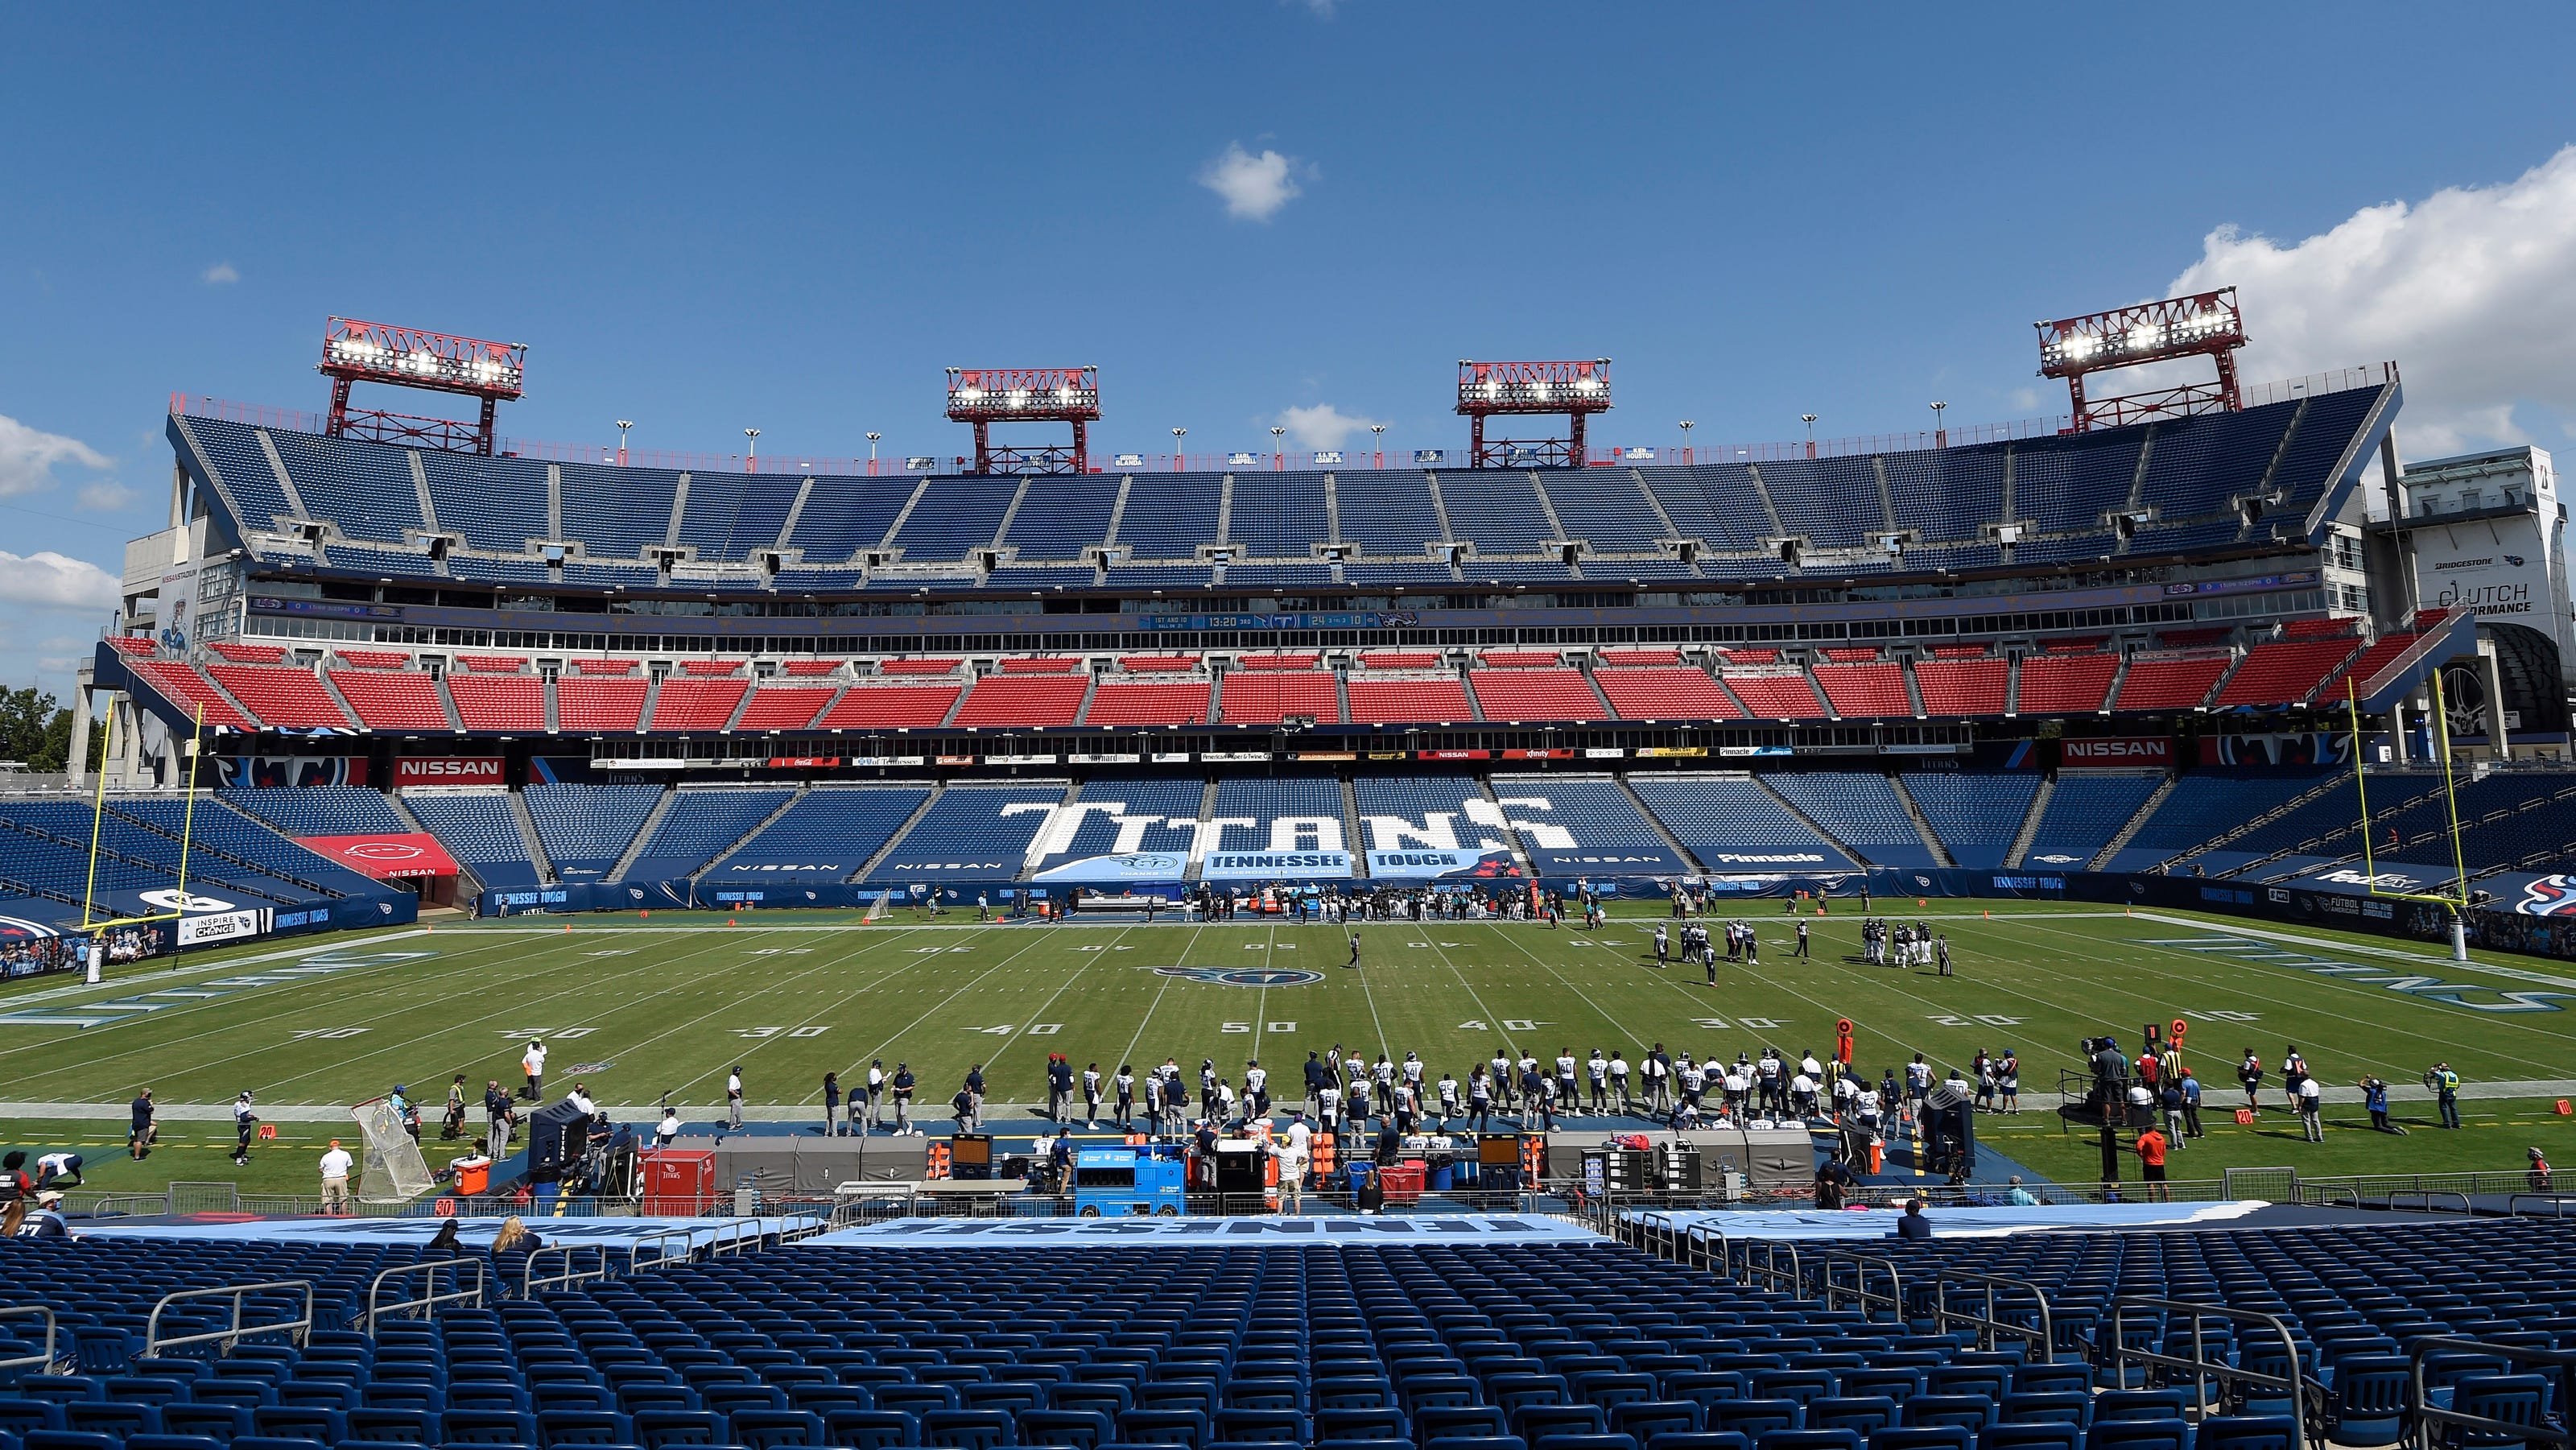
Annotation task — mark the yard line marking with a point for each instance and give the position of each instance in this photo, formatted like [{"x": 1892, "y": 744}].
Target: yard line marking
[
  {"x": 1151, "y": 1007},
  {"x": 1061, "y": 988}
]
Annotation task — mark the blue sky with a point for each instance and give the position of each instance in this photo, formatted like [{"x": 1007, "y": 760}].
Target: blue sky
[{"x": 793, "y": 218}]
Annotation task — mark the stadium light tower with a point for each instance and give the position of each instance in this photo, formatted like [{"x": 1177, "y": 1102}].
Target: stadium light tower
[
  {"x": 1377, "y": 433},
  {"x": 1810, "y": 420},
  {"x": 405, "y": 357},
  {"x": 1574, "y": 390},
  {"x": 1687, "y": 425},
  {"x": 985, "y": 396},
  {"x": 622, "y": 425},
  {"x": 2205, "y": 324},
  {"x": 872, "y": 453},
  {"x": 1940, "y": 435}
]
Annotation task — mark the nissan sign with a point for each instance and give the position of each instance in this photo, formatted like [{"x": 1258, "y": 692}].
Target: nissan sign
[
  {"x": 448, "y": 770},
  {"x": 2131, "y": 751}
]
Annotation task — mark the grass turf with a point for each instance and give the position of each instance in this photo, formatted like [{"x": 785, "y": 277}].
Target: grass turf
[{"x": 637, "y": 1008}]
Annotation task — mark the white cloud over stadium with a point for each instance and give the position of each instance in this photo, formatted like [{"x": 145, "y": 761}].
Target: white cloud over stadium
[
  {"x": 2472, "y": 291},
  {"x": 1254, "y": 186},
  {"x": 28, "y": 457},
  {"x": 1321, "y": 426}
]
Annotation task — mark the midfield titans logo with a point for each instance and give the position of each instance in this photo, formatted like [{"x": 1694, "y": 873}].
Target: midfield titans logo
[{"x": 1243, "y": 976}]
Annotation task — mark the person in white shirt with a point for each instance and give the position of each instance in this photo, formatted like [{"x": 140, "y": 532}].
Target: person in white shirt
[
  {"x": 1291, "y": 1151},
  {"x": 876, "y": 1093},
  {"x": 2311, "y": 1103},
  {"x": 335, "y": 1178},
  {"x": 533, "y": 1063},
  {"x": 1619, "y": 1079},
  {"x": 733, "y": 1096},
  {"x": 579, "y": 1097},
  {"x": 669, "y": 1131}
]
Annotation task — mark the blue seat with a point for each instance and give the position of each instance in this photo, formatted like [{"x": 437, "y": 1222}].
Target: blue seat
[
  {"x": 1863, "y": 1415},
  {"x": 245, "y": 1394},
  {"x": 1108, "y": 1401},
  {"x": 273, "y": 1442},
  {"x": 2138, "y": 1405},
  {"x": 2051, "y": 1379},
  {"x": 1075, "y": 1429},
  {"x": 61, "y": 1389},
  {"x": 1354, "y": 1392},
  {"x": 1512, "y": 1390},
  {"x": 1612, "y": 1388},
  {"x": 486, "y": 1427},
  {"x": 1701, "y": 1440},
  {"x": 1921, "y": 1437},
  {"x": 1969, "y": 1412},
  {"x": 1458, "y": 1422},
  {"x": 2245, "y": 1432},
  {"x": 2044, "y": 1435},
  {"x": 171, "y": 1442},
  {"x": 1374, "y": 1422},
  {"x": 1583, "y": 1440},
  {"x": 731, "y": 1399},
  {"x": 584, "y": 1427},
  {"x": 1535, "y": 1422},
  {"x": 131, "y": 1389},
  {"x": 1800, "y": 1385},
  {"x": 772, "y": 1428},
  {"x": 1899, "y": 1385},
  {"x": 1646, "y": 1419},
  {"x": 2075, "y": 1408},
  {"x": 1476, "y": 1442},
  {"x": 917, "y": 1399},
  {"x": 393, "y": 1427},
  {"x": 1756, "y": 1418},
  {"x": 1438, "y": 1391},
  {"x": 325, "y": 1391},
  {"x": 295, "y": 1422},
  {"x": 2373, "y": 1400},
  {"x": 2138, "y": 1434},
  {"x": 1322, "y": 1444},
  {"x": 1957, "y": 1378},
  {"x": 486, "y": 1397},
  {"x": 1008, "y": 1396},
  {"x": 2515, "y": 1399},
  {"x": 871, "y": 1429},
  {"x": 1260, "y": 1427},
  {"x": 1165, "y": 1427},
  {"x": 661, "y": 1429},
  {"x": 1706, "y": 1387},
  {"x": 219, "y": 1423},
  {"x": 118, "y": 1418}
]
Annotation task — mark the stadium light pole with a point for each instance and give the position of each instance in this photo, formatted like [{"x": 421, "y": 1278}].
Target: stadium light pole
[
  {"x": 1177, "y": 434},
  {"x": 1278, "y": 457},
  {"x": 622, "y": 425},
  {"x": 1687, "y": 425},
  {"x": 1378, "y": 432},
  {"x": 754, "y": 435},
  {"x": 1940, "y": 438},
  {"x": 872, "y": 453},
  {"x": 1810, "y": 420}
]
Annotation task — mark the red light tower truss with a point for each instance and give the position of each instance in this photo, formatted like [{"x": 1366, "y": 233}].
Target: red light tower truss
[
  {"x": 1574, "y": 390},
  {"x": 405, "y": 357},
  {"x": 985, "y": 396},
  {"x": 2205, "y": 324}
]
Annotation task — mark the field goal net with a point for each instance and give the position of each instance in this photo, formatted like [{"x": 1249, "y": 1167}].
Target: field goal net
[{"x": 393, "y": 1171}]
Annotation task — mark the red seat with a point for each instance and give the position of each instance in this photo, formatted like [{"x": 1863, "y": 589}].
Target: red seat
[
  {"x": 1777, "y": 697},
  {"x": 398, "y": 700},
  {"x": 1408, "y": 701},
  {"x": 1023, "y": 700},
  {"x": 1677, "y": 693},
  {"x": 499, "y": 702},
  {"x": 696, "y": 704},
  {"x": 2169, "y": 684},
  {"x": 182, "y": 683},
  {"x": 2066, "y": 684},
  {"x": 285, "y": 697},
  {"x": 890, "y": 707},
  {"x": 1265, "y": 697},
  {"x": 1962, "y": 687},
  {"x": 2285, "y": 673},
  {"x": 599, "y": 704},
  {"x": 1535, "y": 694},
  {"x": 1865, "y": 690},
  {"x": 1124, "y": 702},
  {"x": 784, "y": 707}
]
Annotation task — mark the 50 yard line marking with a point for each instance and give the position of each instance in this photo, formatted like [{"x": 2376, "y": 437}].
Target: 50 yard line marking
[{"x": 1151, "y": 1007}]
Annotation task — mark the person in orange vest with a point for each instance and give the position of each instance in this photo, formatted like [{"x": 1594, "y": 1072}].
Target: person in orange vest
[{"x": 2151, "y": 1150}]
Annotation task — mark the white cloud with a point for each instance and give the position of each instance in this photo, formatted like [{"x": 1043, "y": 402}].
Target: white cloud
[
  {"x": 221, "y": 274},
  {"x": 106, "y": 496},
  {"x": 2471, "y": 291},
  {"x": 28, "y": 456},
  {"x": 1254, "y": 187},
  {"x": 1321, "y": 426},
  {"x": 47, "y": 580}
]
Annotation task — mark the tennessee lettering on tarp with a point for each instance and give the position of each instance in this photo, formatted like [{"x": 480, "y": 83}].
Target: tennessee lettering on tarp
[{"x": 385, "y": 858}]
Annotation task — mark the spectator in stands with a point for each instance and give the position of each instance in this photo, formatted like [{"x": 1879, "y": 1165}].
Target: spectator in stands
[
  {"x": 46, "y": 1221},
  {"x": 1914, "y": 1225},
  {"x": 533, "y": 1063},
  {"x": 831, "y": 1105},
  {"x": 2020, "y": 1197},
  {"x": 138, "y": 1138},
  {"x": 336, "y": 1165},
  {"x": 515, "y": 1240},
  {"x": 1831, "y": 1180},
  {"x": 2151, "y": 1149},
  {"x": 733, "y": 1096}
]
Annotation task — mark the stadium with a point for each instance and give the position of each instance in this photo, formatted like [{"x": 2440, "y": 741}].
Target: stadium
[{"x": 744, "y": 780}]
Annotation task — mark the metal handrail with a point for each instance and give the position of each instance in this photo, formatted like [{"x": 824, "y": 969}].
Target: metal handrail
[
  {"x": 530, "y": 1281},
  {"x": 1943, "y": 1316},
  {"x": 2428, "y": 1414},
  {"x": 297, "y": 1329},
  {"x": 2427, "y": 1195},
  {"x": 1646, "y": 1225},
  {"x": 1741, "y": 1267},
  {"x": 635, "y": 1260},
  {"x": 2557, "y": 1203},
  {"x": 734, "y": 1236},
  {"x": 1712, "y": 1259},
  {"x": 43, "y": 1362},
  {"x": 1833, "y": 1289},
  {"x": 458, "y": 1295},
  {"x": 795, "y": 1227},
  {"x": 2201, "y": 1367}
]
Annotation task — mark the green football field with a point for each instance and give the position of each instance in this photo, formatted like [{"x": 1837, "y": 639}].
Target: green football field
[{"x": 637, "y": 1009}]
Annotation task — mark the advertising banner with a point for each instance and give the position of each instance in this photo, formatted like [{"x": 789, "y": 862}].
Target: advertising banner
[
  {"x": 1430, "y": 864},
  {"x": 448, "y": 770},
  {"x": 2116, "y": 752},
  {"x": 1274, "y": 865},
  {"x": 1129, "y": 866},
  {"x": 384, "y": 857},
  {"x": 268, "y": 772}
]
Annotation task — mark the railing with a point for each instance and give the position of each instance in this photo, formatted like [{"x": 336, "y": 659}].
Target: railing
[
  {"x": 658, "y": 1240},
  {"x": 42, "y": 1363},
  {"x": 1743, "y": 1266},
  {"x": 531, "y": 1281},
  {"x": 377, "y": 1310},
  {"x": 2201, "y": 1367},
  {"x": 2557, "y": 1203},
  {"x": 1991, "y": 1323},
  {"x": 296, "y": 1329},
  {"x": 1833, "y": 1288},
  {"x": 2484, "y": 1429}
]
